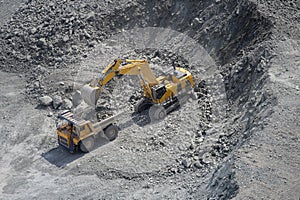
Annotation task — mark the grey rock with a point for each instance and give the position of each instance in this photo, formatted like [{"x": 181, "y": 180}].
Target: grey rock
[
  {"x": 92, "y": 43},
  {"x": 211, "y": 131},
  {"x": 42, "y": 42},
  {"x": 182, "y": 147},
  {"x": 90, "y": 16},
  {"x": 50, "y": 114},
  {"x": 201, "y": 139},
  {"x": 67, "y": 104},
  {"x": 33, "y": 30},
  {"x": 196, "y": 21},
  {"x": 169, "y": 125},
  {"x": 186, "y": 163},
  {"x": 102, "y": 102},
  {"x": 197, "y": 164},
  {"x": 173, "y": 170},
  {"x": 28, "y": 58},
  {"x": 57, "y": 101},
  {"x": 45, "y": 101},
  {"x": 36, "y": 84},
  {"x": 66, "y": 38},
  {"x": 207, "y": 158}
]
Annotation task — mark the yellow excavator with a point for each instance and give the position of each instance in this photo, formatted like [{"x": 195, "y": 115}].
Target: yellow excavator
[{"x": 160, "y": 94}]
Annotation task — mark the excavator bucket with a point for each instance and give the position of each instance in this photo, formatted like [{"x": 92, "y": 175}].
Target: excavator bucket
[{"x": 90, "y": 94}]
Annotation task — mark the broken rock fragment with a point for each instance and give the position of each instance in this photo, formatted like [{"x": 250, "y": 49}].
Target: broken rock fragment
[
  {"x": 45, "y": 101},
  {"x": 67, "y": 104},
  {"x": 57, "y": 101}
]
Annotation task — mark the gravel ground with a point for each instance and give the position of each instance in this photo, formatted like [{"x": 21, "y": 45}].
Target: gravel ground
[{"x": 238, "y": 140}]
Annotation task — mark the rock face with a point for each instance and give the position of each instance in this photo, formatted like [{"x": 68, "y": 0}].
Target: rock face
[{"x": 45, "y": 101}]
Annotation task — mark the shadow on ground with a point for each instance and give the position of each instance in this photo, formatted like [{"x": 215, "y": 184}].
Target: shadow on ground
[{"x": 60, "y": 156}]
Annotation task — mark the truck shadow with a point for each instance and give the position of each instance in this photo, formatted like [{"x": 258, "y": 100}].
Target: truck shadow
[{"x": 60, "y": 157}]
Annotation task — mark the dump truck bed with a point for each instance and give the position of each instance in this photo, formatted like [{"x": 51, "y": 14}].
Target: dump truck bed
[{"x": 106, "y": 122}]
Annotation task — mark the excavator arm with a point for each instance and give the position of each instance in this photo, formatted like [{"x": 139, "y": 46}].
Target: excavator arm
[
  {"x": 91, "y": 92},
  {"x": 107, "y": 74},
  {"x": 140, "y": 68}
]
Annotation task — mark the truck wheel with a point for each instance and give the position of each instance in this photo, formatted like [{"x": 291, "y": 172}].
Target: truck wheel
[
  {"x": 157, "y": 113},
  {"x": 111, "y": 132},
  {"x": 143, "y": 104},
  {"x": 87, "y": 144}
]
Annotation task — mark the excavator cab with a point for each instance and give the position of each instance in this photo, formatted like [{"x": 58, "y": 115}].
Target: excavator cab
[{"x": 158, "y": 91}]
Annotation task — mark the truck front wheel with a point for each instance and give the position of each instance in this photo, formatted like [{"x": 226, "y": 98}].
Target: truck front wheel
[{"x": 87, "y": 144}]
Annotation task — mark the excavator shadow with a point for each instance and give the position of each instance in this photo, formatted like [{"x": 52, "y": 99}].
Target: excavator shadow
[{"x": 60, "y": 157}]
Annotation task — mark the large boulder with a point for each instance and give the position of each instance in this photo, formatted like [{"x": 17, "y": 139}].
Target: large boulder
[
  {"x": 57, "y": 101},
  {"x": 45, "y": 101},
  {"x": 67, "y": 104}
]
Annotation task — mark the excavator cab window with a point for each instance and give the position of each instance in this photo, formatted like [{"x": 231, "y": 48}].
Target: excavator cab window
[{"x": 158, "y": 91}]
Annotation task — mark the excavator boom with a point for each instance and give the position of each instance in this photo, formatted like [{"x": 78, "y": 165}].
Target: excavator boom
[{"x": 138, "y": 67}]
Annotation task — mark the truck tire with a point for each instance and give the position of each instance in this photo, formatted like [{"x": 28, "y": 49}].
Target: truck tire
[
  {"x": 87, "y": 144},
  {"x": 111, "y": 132},
  {"x": 157, "y": 113}
]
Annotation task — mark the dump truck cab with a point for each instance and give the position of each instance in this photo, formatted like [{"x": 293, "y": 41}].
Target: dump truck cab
[{"x": 73, "y": 133}]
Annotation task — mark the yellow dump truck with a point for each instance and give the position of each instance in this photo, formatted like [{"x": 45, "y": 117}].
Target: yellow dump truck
[{"x": 76, "y": 133}]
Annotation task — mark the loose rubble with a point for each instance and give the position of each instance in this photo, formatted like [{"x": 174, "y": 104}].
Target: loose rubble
[{"x": 191, "y": 154}]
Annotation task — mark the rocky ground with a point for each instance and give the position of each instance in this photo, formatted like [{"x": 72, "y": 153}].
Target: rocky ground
[{"x": 239, "y": 139}]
